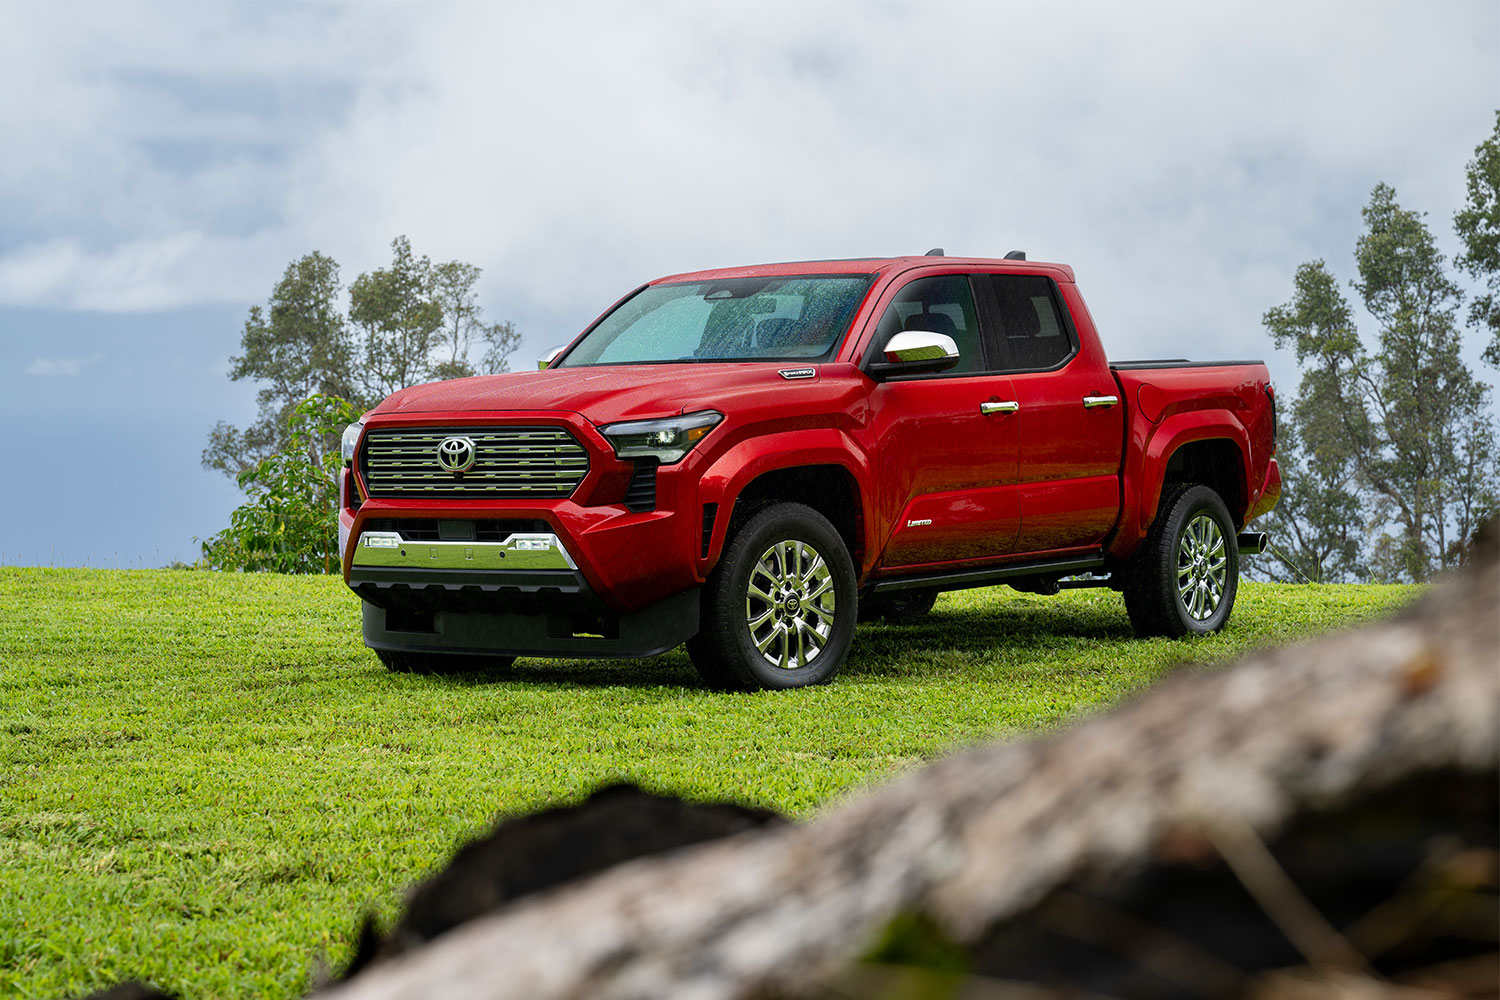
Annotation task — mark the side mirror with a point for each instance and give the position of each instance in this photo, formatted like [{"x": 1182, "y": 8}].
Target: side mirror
[
  {"x": 545, "y": 361},
  {"x": 915, "y": 352}
]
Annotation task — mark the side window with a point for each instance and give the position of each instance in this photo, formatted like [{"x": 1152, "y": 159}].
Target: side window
[
  {"x": 937, "y": 305},
  {"x": 1028, "y": 331}
]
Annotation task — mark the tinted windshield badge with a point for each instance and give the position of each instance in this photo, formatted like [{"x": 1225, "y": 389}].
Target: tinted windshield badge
[{"x": 798, "y": 372}]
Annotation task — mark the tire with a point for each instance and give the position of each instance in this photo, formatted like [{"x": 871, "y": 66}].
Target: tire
[
  {"x": 899, "y": 607},
  {"x": 779, "y": 608},
  {"x": 1183, "y": 579},
  {"x": 402, "y": 662}
]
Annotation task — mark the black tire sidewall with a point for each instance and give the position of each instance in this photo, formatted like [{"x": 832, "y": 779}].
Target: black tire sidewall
[{"x": 782, "y": 522}]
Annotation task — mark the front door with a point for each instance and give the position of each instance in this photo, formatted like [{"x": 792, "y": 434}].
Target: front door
[{"x": 949, "y": 443}]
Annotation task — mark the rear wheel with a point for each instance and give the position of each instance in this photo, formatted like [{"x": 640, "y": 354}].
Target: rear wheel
[
  {"x": 404, "y": 662},
  {"x": 779, "y": 609},
  {"x": 1183, "y": 579}
]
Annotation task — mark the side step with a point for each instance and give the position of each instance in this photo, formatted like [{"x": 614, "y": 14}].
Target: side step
[{"x": 989, "y": 575}]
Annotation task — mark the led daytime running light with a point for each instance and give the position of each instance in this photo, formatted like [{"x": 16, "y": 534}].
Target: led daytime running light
[{"x": 667, "y": 440}]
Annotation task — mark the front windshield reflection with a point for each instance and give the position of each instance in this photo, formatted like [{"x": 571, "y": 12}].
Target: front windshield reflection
[{"x": 733, "y": 319}]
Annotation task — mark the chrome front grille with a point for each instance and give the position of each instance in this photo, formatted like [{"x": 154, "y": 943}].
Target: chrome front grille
[{"x": 509, "y": 462}]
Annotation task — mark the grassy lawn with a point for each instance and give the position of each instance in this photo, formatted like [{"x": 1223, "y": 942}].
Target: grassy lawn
[{"x": 204, "y": 778}]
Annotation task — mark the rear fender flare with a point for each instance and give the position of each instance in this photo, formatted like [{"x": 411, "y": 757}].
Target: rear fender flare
[{"x": 1146, "y": 471}]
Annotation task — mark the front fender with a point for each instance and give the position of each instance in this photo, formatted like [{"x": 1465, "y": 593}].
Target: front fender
[{"x": 734, "y": 470}]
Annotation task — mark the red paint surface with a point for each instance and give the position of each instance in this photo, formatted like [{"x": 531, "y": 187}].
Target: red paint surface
[{"x": 1052, "y": 478}]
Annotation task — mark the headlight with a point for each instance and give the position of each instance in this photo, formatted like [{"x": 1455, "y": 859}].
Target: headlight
[
  {"x": 665, "y": 440},
  {"x": 351, "y": 439}
]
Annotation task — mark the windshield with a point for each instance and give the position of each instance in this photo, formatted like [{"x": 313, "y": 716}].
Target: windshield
[{"x": 731, "y": 319}]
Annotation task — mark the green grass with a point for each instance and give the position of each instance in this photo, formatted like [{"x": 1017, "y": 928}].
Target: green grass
[{"x": 205, "y": 778}]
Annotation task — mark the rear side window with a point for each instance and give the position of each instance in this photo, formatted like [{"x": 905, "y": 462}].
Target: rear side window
[
  {"x": 937, "y": 305},
  {"x": 1026, "y": 330}
]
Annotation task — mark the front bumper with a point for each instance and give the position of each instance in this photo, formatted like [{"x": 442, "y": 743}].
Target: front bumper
[
  {"x": 522, "y": 595},
  {"x": 629, "y": 559},
  {"x": 525, "y": 573},
  {"x": 519, "y": 551},
  {"x": 593, "y": 634},
  {"x": 583, "y": 575}
]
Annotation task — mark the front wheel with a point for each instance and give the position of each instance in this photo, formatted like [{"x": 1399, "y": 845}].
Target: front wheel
[
  {"x": 1183, "y": 579},
  {"x": 779, "y": 609}
]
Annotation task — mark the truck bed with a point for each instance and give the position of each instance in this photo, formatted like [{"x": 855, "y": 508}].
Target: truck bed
[{"x": 1133, "y": 366}]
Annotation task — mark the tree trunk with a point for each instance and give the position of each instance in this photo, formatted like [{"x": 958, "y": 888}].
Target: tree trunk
[{"x": 976, "y": 838}]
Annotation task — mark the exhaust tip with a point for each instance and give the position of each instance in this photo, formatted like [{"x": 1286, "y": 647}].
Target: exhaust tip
[{"x": 1253, "y": 542}]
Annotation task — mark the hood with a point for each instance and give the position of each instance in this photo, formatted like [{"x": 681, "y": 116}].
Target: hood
[{"x": 602, "y": 394}]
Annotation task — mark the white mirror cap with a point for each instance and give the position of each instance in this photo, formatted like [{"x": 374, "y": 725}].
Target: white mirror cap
[
  {"x": 919, "y": 345},
  {"x": 546, "y": 359}
]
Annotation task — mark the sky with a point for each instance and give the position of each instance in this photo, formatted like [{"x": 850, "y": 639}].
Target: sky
[{"x": 162, "y": 163}]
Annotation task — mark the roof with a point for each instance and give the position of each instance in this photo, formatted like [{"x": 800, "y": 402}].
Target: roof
[{"x": 865, "y": 265}]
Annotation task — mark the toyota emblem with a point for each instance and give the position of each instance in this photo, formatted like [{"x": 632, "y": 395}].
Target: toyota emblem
[{"x": 456, "y": 454}]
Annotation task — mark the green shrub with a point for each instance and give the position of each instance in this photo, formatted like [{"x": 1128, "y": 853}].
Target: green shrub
[{"x": 289, "y": 523}]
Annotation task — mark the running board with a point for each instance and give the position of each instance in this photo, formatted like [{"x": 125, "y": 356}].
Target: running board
[{"x": 989, "y": 575}]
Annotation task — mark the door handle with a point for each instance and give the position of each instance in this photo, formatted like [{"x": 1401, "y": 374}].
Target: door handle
[
  {"x": 1009, "y": 406},
  {"x": 1092, "y": 401}
]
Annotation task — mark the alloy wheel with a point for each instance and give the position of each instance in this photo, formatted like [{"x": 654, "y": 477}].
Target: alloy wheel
[
  {"x": 1202, "y": 567},
  {"x": 790, "y": 606}
]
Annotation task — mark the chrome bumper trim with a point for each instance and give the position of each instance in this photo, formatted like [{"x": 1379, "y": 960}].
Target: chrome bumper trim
[{"x": 519, "y": 551}]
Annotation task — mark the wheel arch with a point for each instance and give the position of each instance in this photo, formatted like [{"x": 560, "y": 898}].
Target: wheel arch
[
  {"x": 1213, "y": 462},
  {"x": 828, "y": 488},
  {"x": 1205, "y": 446},
  {"x": 821, "y": 467}
]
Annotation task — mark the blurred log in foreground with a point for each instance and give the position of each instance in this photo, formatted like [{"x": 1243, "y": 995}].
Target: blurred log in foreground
[{"x": 1126, "y": 856}]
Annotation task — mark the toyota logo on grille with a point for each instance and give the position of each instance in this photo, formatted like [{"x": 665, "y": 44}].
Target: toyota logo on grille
[{"x": 456, "y": 454}]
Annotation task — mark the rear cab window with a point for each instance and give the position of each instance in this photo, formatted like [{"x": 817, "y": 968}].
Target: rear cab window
[{"x": 1025, "y": 327}]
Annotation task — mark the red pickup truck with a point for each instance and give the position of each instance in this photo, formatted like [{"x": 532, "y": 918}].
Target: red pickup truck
[{"x": 751, "y": 459}]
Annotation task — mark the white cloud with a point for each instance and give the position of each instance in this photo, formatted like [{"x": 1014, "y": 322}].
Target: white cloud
[
  {"x": 1185, "y": 158},
  {"x": 61, "y": 366},
  {"x": 182, "y": 269}
]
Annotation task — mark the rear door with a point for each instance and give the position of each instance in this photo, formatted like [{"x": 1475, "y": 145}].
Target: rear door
[
  {"x": 1071, "y": 422},
  {"x": 948, "y": 442}
]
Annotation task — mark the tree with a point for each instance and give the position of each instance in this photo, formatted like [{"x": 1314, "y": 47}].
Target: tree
[
  {"x": 1319, "y": 521},
  {"x": 1426, "y": 397},
  {"x": 1401, "y": 438},
  {"x": 288, "y": 524},
  {"x": 1325, "y": 430},
  {"x": 464, "y": 327},
  {"x": 416, "y": 321},
  {"x": 397, "y": 313},
  {"x": 298, "y": 345},
  {"x": 1478, "y": 225}
]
